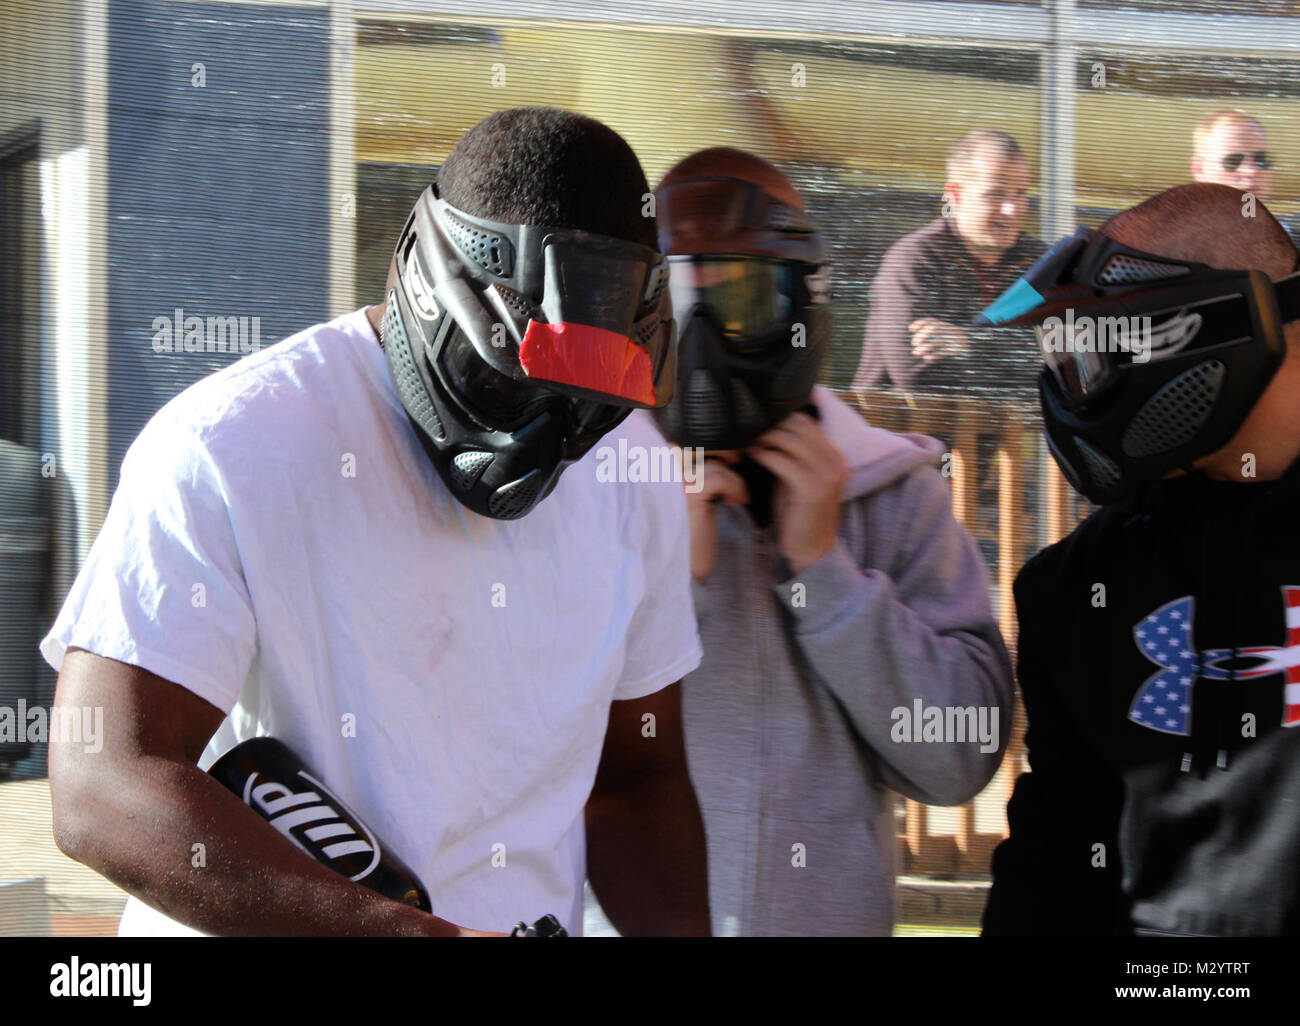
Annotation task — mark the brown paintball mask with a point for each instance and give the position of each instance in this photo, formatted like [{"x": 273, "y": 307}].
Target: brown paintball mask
[
  {"x": 750, "y": 287},
  {"x": 1149, "y": 363}
]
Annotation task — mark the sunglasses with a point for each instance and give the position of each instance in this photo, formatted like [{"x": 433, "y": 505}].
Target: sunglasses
[{"x": 1234, "y": 160}]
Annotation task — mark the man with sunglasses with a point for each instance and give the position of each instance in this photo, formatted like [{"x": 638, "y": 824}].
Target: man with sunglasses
[
  {"x": 1160, "y": 641},
  {"x": 1231, "y": 148},
  {"x": 837, "y": 596},
  {"x": 383, "y": 542}
]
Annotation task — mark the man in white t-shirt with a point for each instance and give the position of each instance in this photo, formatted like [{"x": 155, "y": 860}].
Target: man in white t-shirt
[{"x": 365, "y": 549}]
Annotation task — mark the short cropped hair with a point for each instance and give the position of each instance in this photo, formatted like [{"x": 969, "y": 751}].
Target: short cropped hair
[
  {"x": 544, "y": 166},
  {"x": 1204, "y": 223},
  {"x": 961, "y": 158}
]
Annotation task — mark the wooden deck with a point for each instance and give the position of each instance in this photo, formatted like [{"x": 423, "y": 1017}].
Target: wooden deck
[{"x": 995, "y": 454}]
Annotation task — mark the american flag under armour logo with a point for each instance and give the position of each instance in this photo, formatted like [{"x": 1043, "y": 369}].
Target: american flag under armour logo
[{"x": 1164, "y": 702}]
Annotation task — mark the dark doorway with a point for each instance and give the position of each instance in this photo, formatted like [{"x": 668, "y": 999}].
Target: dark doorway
[{"x": 20, "y": 269}]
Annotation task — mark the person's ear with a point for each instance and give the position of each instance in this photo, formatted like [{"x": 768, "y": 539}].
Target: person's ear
[{"x": 951, "y": 196}]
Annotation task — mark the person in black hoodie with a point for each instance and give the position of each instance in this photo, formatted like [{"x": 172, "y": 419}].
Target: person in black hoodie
[{"x": 1159, "y": 654}]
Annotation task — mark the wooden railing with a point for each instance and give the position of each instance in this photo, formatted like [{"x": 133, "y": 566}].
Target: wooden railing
[{"x": 1010, "y": 429}]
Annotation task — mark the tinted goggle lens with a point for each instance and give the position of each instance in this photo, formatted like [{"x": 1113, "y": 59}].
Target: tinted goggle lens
[
  {"x": 750, "y": 297},
  {"x": 1081, "y": 376},
  {"x": 588, "y": 418},
  {"x": 487, "y": 391},
  {"x": 505, "y": 403}
]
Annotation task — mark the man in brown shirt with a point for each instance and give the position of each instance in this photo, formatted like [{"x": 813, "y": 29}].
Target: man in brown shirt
[{"x": 934, "y": 281}]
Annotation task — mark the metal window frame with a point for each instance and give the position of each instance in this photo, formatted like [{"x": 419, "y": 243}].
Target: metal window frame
[
  {"x": 1056, "y": 22},
  {"x": 343, "y": 157},
  {"x": 1058, "y": 30}
]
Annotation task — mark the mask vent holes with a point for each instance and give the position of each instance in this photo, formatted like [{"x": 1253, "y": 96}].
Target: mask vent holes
[
  {"x": 1126, "y": 270},
  {"x": 517, "y": 302},
  {"x": 512, "y": 501},
  {"x": 1101, "y": 468},
  {"x": 409, "y": 386},
  {"x": 1176, "y": 414},
  {"x": 468, "y": 467},
  {"x": 647, "y": 329},
  {"x": 704, "y": 409},
  {"x": 488, "y": 250}
]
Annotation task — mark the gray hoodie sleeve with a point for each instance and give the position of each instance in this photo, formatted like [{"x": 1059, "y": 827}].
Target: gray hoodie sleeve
[{"x": 898, "y": 610}]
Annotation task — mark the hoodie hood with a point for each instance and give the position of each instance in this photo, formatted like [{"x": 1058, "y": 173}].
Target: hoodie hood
[{"x": 876, "y": 458}]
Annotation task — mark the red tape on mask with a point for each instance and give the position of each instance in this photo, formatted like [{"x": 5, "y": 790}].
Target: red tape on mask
[{"x": 588, "y": 357}]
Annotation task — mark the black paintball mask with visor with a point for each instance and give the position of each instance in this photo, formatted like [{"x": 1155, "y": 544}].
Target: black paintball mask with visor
[
  {"x": 750, "y": 290},
  {"x": 514, "y": 348},
  {"x": 1150, "y": 363}
]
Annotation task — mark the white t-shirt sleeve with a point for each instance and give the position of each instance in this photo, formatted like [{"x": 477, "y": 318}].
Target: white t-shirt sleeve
[
  {"x": 663, "y": 641},
  {"x": 162, "y": 587}
]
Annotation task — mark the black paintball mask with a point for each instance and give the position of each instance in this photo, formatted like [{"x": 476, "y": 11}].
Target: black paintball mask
[
  {"x": 1150, "y": 363},
  {"x": 514, "y": 348},
  {"x": 750, "y": 289}
]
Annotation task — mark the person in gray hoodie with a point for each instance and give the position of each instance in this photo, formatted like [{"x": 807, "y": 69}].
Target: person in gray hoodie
[{"x": 849, "y": 644}]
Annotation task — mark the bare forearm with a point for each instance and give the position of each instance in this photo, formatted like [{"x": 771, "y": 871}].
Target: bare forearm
[
  {"x": 646, "y": 857},
  {"x": 174, "y": 837}
]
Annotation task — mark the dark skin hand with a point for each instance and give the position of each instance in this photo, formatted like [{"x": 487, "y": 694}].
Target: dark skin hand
[
  {"x": 133, "y": 811},
  {"x": 645, "y": 837}
]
